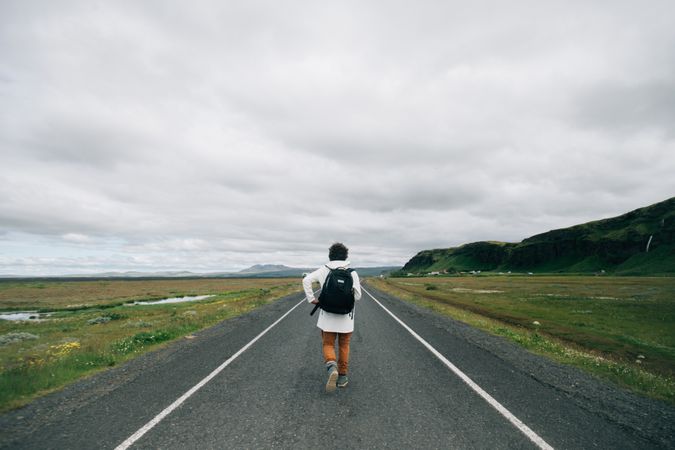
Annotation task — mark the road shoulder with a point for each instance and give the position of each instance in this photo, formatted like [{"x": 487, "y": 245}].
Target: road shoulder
[{"x": 650, "y": 419}]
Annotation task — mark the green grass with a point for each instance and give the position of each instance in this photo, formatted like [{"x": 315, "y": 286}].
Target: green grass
[
  {"x": 618, "y": 328},
  {"x": 77, "y": 342}
]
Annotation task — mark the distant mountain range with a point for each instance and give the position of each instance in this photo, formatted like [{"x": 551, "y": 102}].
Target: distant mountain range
[
  {"x": 262, "y": 268},
  {"x": 641, "y": 242},
  {"x": 256, "y": 271}
]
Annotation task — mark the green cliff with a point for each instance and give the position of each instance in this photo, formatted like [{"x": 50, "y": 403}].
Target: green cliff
[{"x": 617, "y": 245}]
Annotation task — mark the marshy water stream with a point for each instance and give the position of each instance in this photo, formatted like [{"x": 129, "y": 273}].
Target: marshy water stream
[
  {"x": 37, "y": 316},
  {"x": 174, "y": 300},
  {"x": 23, "y": 315}
]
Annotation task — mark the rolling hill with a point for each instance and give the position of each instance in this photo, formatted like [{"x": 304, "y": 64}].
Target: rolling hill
[{"x": 641, "y": 242}]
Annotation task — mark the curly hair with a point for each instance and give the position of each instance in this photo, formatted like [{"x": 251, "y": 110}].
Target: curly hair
[{"x": 338, "y": 252}]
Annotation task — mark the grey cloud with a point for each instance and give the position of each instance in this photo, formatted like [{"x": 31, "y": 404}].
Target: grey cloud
[
  {"x": 83, "y": 142},
  {"x": 629, "y": 108}
]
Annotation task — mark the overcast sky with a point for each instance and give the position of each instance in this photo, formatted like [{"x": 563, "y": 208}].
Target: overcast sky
[{"x": 208, "y": 136}]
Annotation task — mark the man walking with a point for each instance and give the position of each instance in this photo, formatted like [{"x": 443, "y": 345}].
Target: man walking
[{"x": 340, "y": 287}]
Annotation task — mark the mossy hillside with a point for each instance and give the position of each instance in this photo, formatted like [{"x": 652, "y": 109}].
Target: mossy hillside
[
  {"x": 614, "y": 245},
  {"x": 477, "y": 255}
]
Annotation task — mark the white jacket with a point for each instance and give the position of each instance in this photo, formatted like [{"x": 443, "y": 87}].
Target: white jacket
[{"x": 336, "y": 323}]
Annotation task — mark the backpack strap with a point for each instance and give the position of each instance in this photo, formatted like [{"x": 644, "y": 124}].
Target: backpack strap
[
  {"x": 318, "y": 305},
  {"x": 348, "y": 269}
]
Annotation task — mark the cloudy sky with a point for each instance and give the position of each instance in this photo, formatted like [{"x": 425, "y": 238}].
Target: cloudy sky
[{"x": 212, "y": 135}]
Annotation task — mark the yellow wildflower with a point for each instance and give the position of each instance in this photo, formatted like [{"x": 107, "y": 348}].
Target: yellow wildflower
[{"x": 61, "y": 350}]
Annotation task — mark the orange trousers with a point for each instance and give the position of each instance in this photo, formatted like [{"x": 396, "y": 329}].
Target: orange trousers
[{"x": 328, "y": 339}]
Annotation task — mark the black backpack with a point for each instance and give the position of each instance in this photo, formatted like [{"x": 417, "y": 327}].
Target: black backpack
[{"x": 336, "y": 294}]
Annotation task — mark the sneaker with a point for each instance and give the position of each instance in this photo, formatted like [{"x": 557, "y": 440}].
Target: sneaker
[
  {"x": 342, "y": 381},
  {"x": 332, "y": 378}
]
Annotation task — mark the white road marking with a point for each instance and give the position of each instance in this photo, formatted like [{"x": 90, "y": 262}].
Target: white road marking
[
  {"x": 534, "y": 437},
  {"x": 158, "y": 418}
]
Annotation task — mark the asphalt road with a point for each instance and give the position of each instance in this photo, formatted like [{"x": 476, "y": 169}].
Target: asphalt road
[{"x": 400, "y": 394}]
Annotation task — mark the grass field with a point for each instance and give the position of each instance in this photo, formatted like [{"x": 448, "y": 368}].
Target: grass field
[
  {"x": 619, "y": 328},
  {"x": 92, "y": 326}
]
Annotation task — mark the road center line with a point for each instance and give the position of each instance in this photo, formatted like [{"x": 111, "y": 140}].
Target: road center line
[
  {"x": 534, "y": 437},
  {"x": 158, "y": 418}
]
